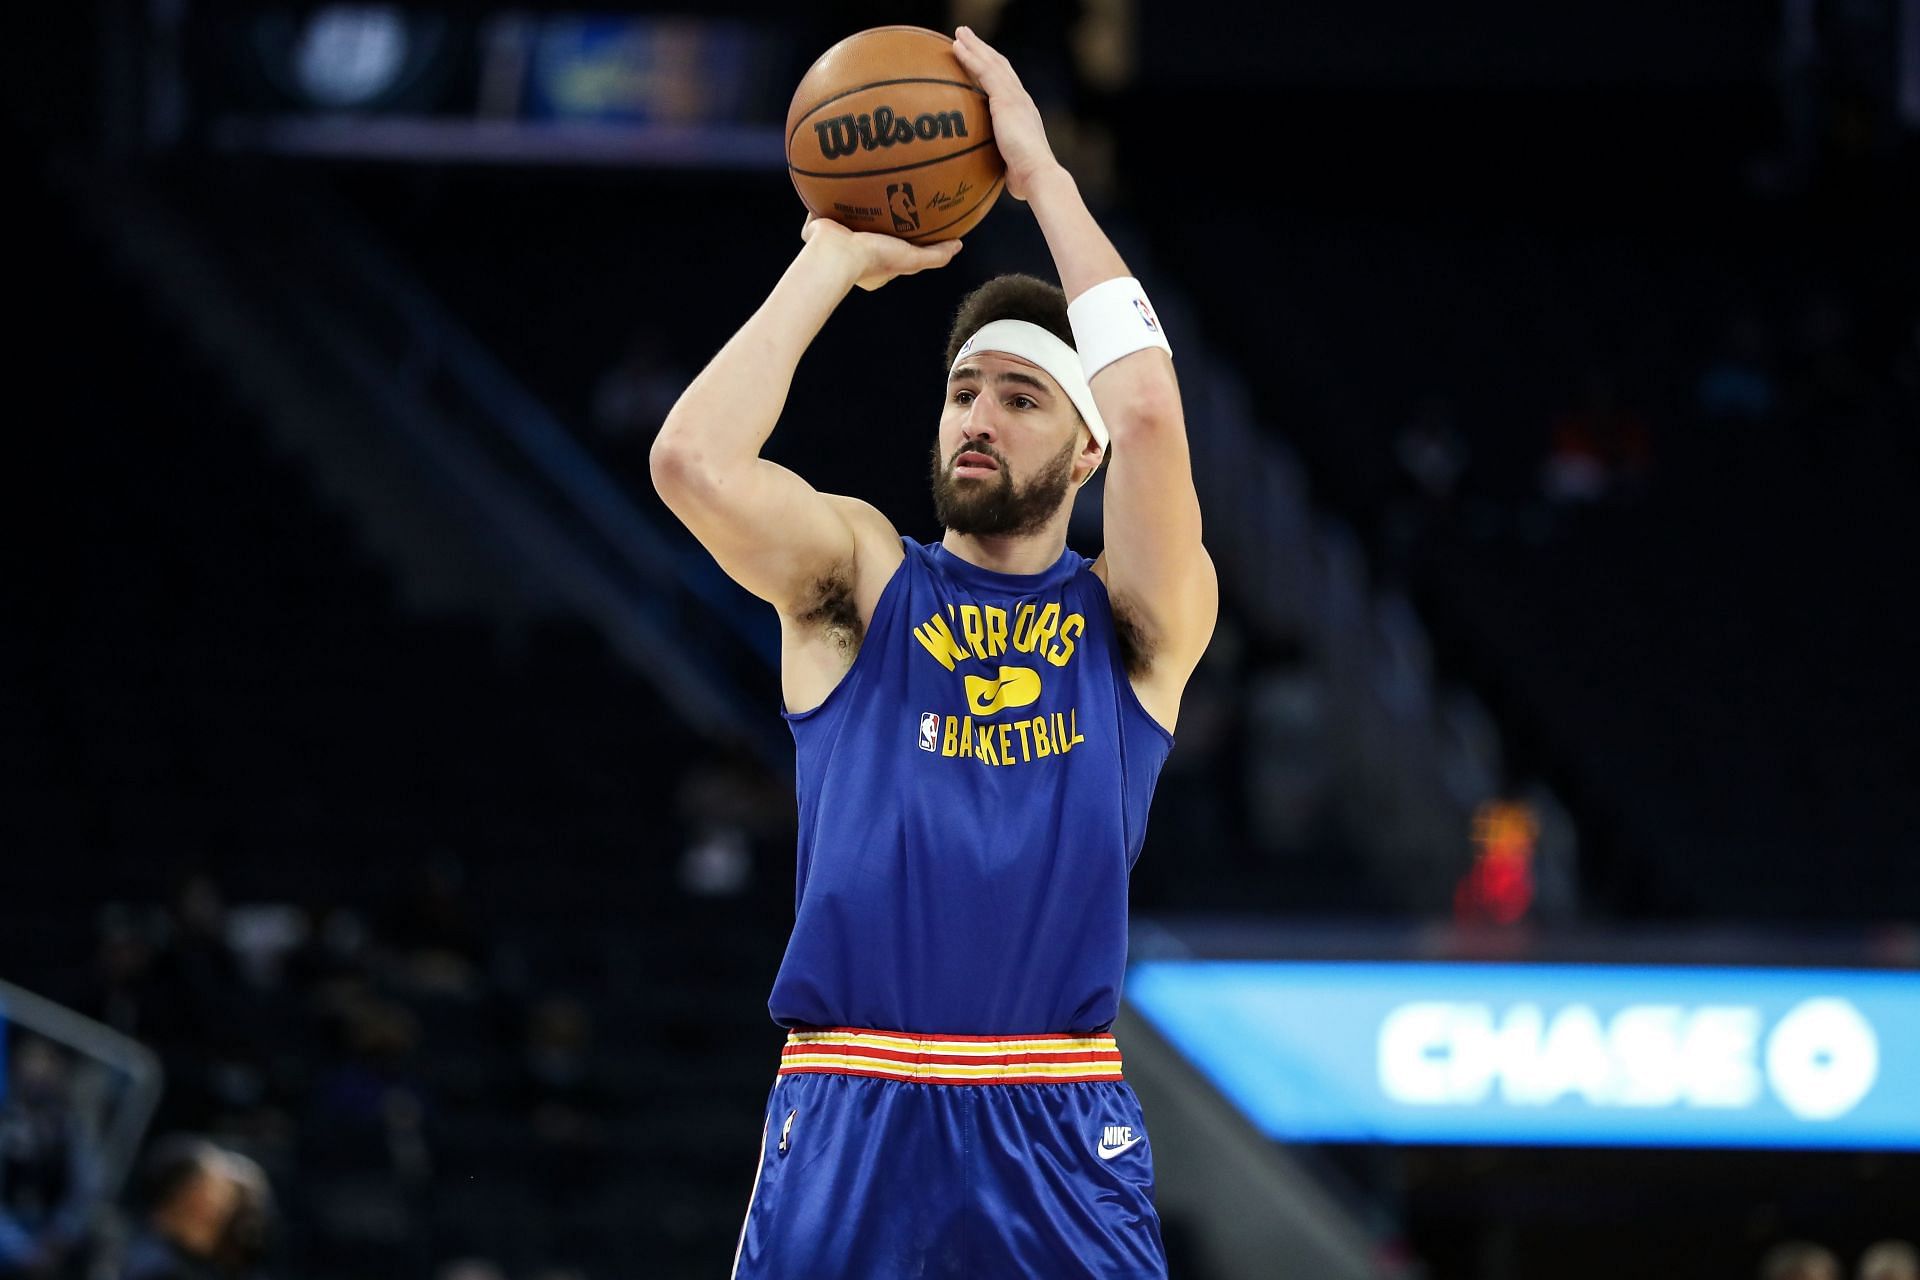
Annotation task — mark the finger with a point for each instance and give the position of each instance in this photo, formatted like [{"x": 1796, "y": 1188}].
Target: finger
[
  {"x": 984, "y": 62},
  {"x": 973, "y": 40},
  {"x": 930, "y": 256},
  {"x": 973, "y": 52}
]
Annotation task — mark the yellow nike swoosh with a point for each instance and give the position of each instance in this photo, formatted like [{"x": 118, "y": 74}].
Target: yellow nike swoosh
[{"x": 1015, "y": 687}]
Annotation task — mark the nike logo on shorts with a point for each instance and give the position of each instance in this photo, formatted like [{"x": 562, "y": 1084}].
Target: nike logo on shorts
[{"x": 1115, "y": 1139}]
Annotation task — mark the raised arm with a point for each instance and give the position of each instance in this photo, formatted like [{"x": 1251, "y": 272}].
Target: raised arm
[
  {"x": 771, "y": 531},
  {"x": 1155, "y": 568}
]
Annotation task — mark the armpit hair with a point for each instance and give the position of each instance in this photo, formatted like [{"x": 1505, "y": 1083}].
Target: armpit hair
[
  {"x": 1136, "y": 650},
  {"x": 832, "y": 610}
]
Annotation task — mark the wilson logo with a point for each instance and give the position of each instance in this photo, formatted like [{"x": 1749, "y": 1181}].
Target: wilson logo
[{"x": 844, "y": 135}]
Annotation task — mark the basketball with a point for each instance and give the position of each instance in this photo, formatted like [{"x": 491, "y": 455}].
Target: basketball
[{"x": 888, "y": 133}]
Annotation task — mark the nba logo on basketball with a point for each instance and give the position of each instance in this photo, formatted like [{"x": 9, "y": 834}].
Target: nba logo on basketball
[
  {"x": 906, "y": 216},
  {"x": 929, "y": 730}
]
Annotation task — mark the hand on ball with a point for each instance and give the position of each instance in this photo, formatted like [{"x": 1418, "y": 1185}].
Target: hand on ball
[
  {"x": 1017, "y": 127},
  {"x": 879, "y": 258}
]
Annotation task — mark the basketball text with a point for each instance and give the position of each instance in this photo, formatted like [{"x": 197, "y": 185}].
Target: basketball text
[{"x": 1014, "y": 742}]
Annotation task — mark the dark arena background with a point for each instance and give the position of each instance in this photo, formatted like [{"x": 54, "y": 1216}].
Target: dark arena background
[{"x": 396, "y": 821}]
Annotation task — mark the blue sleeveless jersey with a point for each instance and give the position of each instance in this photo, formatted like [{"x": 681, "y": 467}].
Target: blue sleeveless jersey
[{"x": 972, "y": 796}]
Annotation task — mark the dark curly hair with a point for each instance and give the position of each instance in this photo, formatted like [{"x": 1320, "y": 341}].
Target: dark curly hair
[{"x": 1010, "y": 297}]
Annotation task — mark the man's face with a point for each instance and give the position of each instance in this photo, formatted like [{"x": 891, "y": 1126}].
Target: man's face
[{"x": 1004, "y": 459}]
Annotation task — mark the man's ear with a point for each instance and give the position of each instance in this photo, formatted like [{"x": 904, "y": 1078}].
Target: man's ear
[{"x": 1091, "y": 455}]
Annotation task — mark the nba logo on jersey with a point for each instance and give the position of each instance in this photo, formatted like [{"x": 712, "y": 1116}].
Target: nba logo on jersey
[{"x": 929, "y": 731}]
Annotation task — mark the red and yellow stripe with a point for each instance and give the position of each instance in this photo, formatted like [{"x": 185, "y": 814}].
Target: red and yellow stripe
[{"x": 894, "y": 1055}]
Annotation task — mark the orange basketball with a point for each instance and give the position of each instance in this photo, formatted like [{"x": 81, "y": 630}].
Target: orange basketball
[{"x": 888, "y": 133}]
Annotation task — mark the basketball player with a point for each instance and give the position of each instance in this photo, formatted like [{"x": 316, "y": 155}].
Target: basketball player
[{"x": 979, "y": 724}]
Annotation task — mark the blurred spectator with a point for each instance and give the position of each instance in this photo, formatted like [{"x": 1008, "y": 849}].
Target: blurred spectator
[
  {"x": 1600, "y": 450},
  {"x": 244, "y": 1244},
  {"x": 560, "y": 1088},
  {"x": 173, "y": 980},
  {"x": 48, "y": 1176},
  {"x": 262, "y": 937},
  {"x": 127, "y": 995},
  {"x": 1737, "y": 383},
  {"x": 1288, "y": 758},
  {"x": 335, "y": 959},
  {"x": 733, "y": 811},
  {"x": 1430, "y": 458},
  {"x": 209, "y": 1213},
  {"x": 434, "y": 933},
  {"x": 1799, "y": 1260},
  {"x": 1499, "y": 888},
  {"x": 368, "y": 1162},
  {"x": 1556, "y": 864},
  {"x": 1431, "y": 452},
  {"x": 197, "y": 965},
  {"x": 370, "y": 1108},
  {"x": 1889, "y": 1260},
  {"x": 203, "y": 995}
]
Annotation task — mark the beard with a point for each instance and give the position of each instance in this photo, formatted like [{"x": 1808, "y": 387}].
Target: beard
[{"x": 994, "y": 507}]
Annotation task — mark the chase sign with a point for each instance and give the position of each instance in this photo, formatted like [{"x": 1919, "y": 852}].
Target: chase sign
[{"x": 1587, "y": 1055}]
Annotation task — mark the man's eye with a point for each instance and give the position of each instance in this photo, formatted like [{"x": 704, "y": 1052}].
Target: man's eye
[
  {"x": 963, "y": 397},
  {"x": 1025, "y": 402}
]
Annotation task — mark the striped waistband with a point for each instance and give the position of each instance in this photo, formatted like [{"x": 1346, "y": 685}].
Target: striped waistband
[{"x": 895, "y": 1055}]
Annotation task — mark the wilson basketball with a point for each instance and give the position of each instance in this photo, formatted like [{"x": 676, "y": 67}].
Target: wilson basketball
[{"x": 888, "y": 133}]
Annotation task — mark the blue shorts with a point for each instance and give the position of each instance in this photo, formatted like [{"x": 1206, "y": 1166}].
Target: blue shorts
[{"x": 888, "y": 1156}]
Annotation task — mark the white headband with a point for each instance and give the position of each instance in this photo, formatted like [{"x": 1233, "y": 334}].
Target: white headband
[{"x": 1037, "y": 346}]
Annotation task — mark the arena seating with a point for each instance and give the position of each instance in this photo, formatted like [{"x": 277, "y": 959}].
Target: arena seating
[
  {"x": 218, "y": 684},
  {"x": 1648, "y": 654}
]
